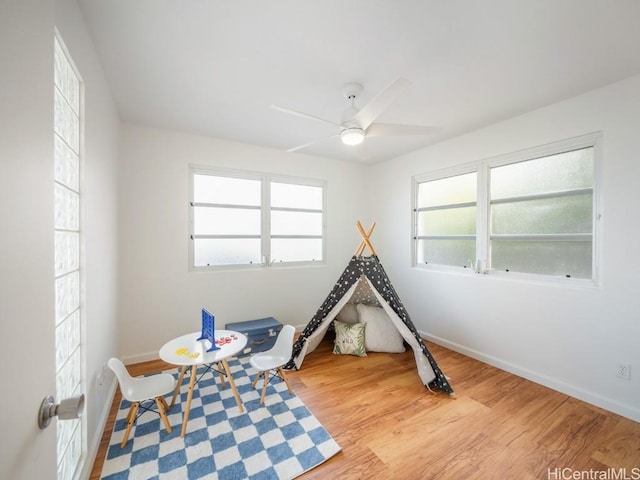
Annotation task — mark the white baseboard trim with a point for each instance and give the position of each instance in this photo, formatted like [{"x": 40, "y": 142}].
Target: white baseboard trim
[
  {"x": 576, "y": 392},
  {"x": 140, "y": 358}
]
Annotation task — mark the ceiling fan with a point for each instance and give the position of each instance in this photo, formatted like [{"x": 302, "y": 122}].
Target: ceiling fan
[{"x": 356, "y": 124}]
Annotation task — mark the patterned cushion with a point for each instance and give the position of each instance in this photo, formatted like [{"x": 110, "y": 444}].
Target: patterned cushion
[{"x": 349, "y": 339}]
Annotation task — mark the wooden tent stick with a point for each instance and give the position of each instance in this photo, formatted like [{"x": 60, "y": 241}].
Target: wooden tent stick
[
  {"x": 365, "y": 239},
  {"x": 362, "y": 245}
]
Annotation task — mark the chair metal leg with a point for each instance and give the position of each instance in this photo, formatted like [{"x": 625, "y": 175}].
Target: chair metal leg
[{"x": 131, "y": 418}]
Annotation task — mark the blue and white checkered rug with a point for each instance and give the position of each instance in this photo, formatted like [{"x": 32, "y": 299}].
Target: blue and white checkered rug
[{"x": 278, "y": 440}]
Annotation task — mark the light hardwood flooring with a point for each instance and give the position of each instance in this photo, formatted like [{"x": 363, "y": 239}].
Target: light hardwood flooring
[{"x": 498, "y": 426}]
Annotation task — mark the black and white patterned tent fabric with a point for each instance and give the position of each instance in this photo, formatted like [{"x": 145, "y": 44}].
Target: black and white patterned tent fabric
[{"x": 371, "y": 268}]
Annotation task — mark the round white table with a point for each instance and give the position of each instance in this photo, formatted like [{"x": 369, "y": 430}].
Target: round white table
[{"x": 188, "y": 351}]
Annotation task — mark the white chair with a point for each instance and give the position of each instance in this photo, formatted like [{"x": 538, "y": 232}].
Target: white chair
[
  {"x": 142, "y": 389},
  {"x": 273, "y": 359}
]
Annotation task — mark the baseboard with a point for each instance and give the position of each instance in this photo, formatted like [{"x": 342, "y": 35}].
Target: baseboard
[
  {"x": 94, "y": 445},
  {"x": 550, "y": 382},
  {"x": 140, "y": 358}
]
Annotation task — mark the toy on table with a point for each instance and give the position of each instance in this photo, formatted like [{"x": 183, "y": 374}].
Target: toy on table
[
  {"x": 224, "y": 340},
  {"x": 208, "y": 329}
]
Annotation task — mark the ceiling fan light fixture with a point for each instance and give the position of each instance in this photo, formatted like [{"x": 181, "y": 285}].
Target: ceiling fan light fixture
[{"x": 352, "y": 136}]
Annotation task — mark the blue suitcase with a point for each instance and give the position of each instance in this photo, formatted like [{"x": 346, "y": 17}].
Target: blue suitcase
[{"x": 261, "y": 333}]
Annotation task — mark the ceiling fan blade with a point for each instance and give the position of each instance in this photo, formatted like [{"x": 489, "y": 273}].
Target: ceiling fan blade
[
  {"x": 304, "y": 115},
  {"x": 380, "y": 103},
  {"x": 308, "y": 144},
  {"x": 394, "y": 129}
]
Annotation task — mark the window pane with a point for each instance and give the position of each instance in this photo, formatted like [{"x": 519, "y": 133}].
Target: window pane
[
  {"x": 67, "y": 252},
  {"x": 225, "y": 221},
  {"x": 296, "y": 196},
  {"x": 448, "y": 191},
  {"x": 67, "y": 165},
  {"x": 65, "y": 79},
  {"x": 555, "y": 173},
  {"x": 543, "y": 257},
  {"x": 67, "y": 209},
  {"x": 69, "y": 376},
  {"x": 444, "y": 219},
  {"x": 226, "y": 251},
  {"x": 446, "y": 252},
  {"x": 226, "y": 190},
  {"x": 296, "y": 250},
  {"x": 451, "y": 221},
  {"x": 296, "y": 223},
  {"x": 66, "y": 123},
  {"x": 67, "y": 338},
  {"x": 564, "y": 214},
  {"x": 571, "y": 214},
  {"x": 67, "y": 295}
]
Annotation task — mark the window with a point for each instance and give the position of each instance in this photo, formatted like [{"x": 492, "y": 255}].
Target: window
[
  {"x": 542, "y": 215},
  {"x": 296, "y": 222},
  {"x": 69, "y": 318},
  {"x": 446, "y": 220},
  {"x": 533, "y": 212},
  {"x": 240, "y": 218}
]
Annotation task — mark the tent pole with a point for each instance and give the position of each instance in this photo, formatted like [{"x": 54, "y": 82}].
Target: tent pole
[{"x": 365, "y": 239}]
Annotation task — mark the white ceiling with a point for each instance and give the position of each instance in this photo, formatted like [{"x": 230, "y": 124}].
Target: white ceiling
[{"x": 214, "y": 67}]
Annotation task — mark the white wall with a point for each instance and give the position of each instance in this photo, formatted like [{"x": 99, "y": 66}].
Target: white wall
[
  {"x": 99, "y": 218},
  {"x": 27, "y": 300},
  {"x": 568, "y": 338},
  {"x": 160, "y": 298}
]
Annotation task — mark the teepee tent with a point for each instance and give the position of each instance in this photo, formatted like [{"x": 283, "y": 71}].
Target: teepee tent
[{"x": 365, "y": 281}]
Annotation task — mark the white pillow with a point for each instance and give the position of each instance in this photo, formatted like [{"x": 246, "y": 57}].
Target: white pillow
[
  {"x": 381, "y": 335},
  {"x": 348, "y": 314}
]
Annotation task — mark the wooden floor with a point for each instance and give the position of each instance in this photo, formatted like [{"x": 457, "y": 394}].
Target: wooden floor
[{"x": 498, "y": 426}]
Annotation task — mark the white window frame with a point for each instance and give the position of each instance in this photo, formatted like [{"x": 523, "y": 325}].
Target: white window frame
[
  {"x": 482, "y": 167},
  {"x": 265, "y": 210},
  {"x": 429, "y": 177}
]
